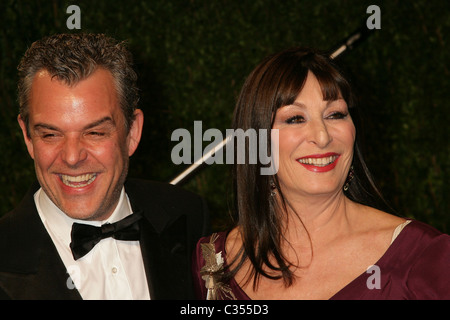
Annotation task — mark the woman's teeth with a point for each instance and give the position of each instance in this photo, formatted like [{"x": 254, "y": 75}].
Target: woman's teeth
[
  {"x": 78, "y": 181},
  {"x": 318, "y": 162}
]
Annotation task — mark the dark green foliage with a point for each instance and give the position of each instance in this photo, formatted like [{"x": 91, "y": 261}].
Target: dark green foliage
[{"x": 193, "y": 56}]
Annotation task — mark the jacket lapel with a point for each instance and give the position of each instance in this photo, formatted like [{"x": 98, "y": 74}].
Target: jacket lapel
[
  {"x": 165, "y": 262},
  {"x": 164, "y": 249},
  {"x": 39, "y": 272}
]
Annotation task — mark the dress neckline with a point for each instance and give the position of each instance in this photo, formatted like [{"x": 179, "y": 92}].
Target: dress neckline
[{"x": 398, "y": 234}]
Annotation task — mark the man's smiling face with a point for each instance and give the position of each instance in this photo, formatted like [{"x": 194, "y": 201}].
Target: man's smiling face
[{"x": 79, "y": 143}]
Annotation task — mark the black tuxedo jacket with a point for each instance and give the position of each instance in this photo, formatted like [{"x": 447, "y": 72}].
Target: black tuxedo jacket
[{"x": 174, "y": 219}]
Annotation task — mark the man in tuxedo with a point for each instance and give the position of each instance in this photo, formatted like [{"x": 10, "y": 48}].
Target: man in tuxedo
[{"x": 85, "y": 231}]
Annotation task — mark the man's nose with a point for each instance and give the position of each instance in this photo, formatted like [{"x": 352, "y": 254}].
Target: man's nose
[{"x": 73, "y": 151}]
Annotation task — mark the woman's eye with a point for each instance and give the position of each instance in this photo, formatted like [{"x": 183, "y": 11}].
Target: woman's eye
[
  {"x": 337, "y": 115},
  {"x": 295, "y": 119}
]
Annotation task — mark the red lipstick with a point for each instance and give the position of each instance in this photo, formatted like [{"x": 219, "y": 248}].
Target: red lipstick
[{"x": 319, "y": 162}]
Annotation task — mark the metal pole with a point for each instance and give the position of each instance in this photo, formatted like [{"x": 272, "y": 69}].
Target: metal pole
[
  {"x": 349, "y": 43},
  {"x": 193, "y": 167}
]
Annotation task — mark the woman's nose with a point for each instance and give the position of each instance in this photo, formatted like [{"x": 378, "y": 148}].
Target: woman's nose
[{"x": 319, "y": 133}]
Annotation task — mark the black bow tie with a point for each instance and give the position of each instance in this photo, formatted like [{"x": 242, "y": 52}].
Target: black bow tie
[{"x": 85, "y": 237}]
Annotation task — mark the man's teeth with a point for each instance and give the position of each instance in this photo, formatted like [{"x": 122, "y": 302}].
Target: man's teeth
[
  {"x": 318, "y": 162},
  {"x": 78, "y": 181}
]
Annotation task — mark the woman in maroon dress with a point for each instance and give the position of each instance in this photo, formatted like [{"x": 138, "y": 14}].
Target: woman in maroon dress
[{"x": 317, "y": 228}]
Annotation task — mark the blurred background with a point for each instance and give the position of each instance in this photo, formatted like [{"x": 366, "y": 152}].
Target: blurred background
[{"x": 192, "y": 57}]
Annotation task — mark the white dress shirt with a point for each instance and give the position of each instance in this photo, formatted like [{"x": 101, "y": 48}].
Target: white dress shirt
[{"x": 112, "y": 270}]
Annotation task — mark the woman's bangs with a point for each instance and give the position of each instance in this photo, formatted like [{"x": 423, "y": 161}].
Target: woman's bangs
[{"x": 333, "y": 85}]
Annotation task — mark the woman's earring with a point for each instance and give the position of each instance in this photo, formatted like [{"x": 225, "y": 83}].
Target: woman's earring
[
  {"x": 273, "y": 189},
  {"x": 351, "y": 175}
]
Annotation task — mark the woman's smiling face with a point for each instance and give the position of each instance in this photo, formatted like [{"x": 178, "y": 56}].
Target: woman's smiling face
[{"x": 316, "y": 139}]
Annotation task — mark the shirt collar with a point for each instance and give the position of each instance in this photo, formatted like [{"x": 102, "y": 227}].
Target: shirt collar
[{"x": 58, "y": 223}]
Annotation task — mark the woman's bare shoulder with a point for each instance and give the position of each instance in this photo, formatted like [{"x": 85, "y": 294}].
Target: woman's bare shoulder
[{"x": 373, "y": 219}]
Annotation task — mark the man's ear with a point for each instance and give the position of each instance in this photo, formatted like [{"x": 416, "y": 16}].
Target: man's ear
[
  {"x": 134, "y": 136},
  {"x": 26, "y": 136}
]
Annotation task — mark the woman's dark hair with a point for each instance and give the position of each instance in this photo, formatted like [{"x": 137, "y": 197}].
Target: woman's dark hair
[{"x": 274, "y": 83}]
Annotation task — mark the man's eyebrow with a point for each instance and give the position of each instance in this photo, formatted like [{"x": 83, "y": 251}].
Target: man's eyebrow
[
  {"x": 39, "y": 126},
  {"x": 99, "y": 122},
  {"x": 94, "y": 124}
]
